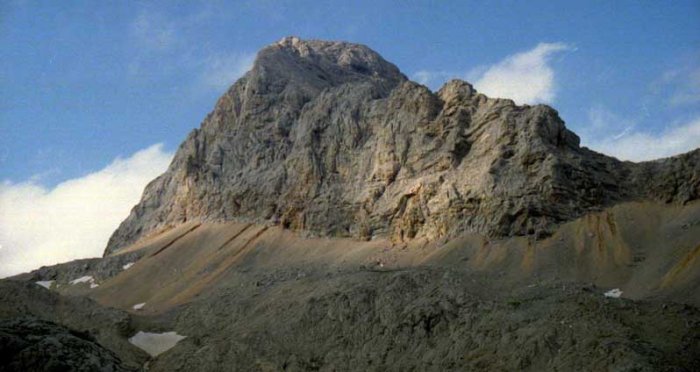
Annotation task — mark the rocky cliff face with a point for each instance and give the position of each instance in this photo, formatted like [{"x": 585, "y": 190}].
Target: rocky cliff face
[{"x": 330, "y": 138}]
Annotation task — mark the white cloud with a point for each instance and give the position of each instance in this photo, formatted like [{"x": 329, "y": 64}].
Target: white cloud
[
  {"x": 640, "y": 146},
  {"x": 40, "y": 226},
  {"x": 524, "y": 77},
  {"x": 220, "y": 71},
  {"x": 674, "y": 91}
]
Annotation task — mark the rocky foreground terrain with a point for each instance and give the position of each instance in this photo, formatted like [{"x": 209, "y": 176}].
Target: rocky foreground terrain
[{"x": 330, "y": 214}]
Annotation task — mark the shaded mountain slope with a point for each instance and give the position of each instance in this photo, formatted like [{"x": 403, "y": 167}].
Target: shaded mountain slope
[
  {"x": 648, "y": 251},
  {"x": 260, "y": 297}
]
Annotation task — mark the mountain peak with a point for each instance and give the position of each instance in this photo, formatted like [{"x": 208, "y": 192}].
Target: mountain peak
[
  {"x": 456, "y": 88},
  {"x": 326, "y": 60},
  {"x": 330, "y": 138},
  {"x": 289, "y": 41}
]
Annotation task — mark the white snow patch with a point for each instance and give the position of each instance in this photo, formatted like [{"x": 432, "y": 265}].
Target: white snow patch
[
  {"x": 155, "y": 343},
  {"x": 139, "y": 306},
  {"x": 86, "y": 279},
  {"x": 45, "y": 283},
  {"x": 614, "y": 293},
  {"x": 83, "y": 279},
  {"x": 127, "y": 266}
]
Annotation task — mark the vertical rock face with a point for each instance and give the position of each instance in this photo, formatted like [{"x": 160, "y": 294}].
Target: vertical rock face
[{"x": 330, "y": 138}]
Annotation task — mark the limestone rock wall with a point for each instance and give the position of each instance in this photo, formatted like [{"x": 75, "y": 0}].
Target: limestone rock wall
[{"x": 330, "y": 138}]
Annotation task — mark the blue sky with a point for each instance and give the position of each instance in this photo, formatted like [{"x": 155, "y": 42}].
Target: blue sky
[
  {"x": 84, "y": 82},
  {"x": 87, "y": 87}
]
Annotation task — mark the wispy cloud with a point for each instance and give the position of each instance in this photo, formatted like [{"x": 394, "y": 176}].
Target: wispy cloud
[
  {"x": 679, "y": 86},
  {"x": 162, "y": 49},
  {"x": 614, "y": 135},
  {"x": 220, "y": 71},
  {"x": 41, "y": 226},
  {"x": 685, "y": 85},
  {"x": 605, "y": 123},
  {"x": 433, "y": 79},
  {"x": 153, "y": 31},
  {"x": 525, "y": 77}
]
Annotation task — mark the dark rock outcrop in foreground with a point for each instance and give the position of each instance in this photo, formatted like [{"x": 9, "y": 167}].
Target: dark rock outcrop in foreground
[
  {"x": 330, "y": 138},
  {"x": 434, "y": 320},
  {"x": 41, "y": 330},
  {"x": 36, "y": 345}
]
